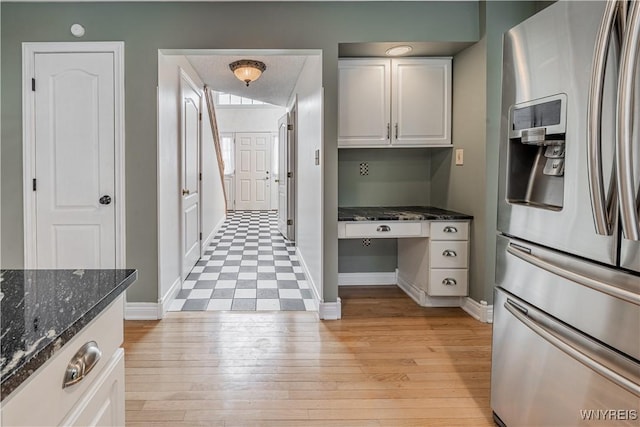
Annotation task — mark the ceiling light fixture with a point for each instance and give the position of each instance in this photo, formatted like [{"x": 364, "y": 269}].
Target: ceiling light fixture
[
  {"x": 399, "y": 50},
  {"x": 247, "y": 70}
]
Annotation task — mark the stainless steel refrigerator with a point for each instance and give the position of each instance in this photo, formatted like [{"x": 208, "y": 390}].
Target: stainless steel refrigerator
[{"x": 566, "y": 336}]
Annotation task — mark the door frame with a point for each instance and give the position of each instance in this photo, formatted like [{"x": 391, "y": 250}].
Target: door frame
[{"x": 29, "y": 51}]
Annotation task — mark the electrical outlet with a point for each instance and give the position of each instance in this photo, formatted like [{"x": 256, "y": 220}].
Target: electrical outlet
[{"x": 459, "y": 156}]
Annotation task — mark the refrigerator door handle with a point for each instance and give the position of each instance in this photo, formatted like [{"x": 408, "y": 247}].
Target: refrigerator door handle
[
  {"x": 602, "y": 216},
  {"x": 624, "y": 126},
  {"x": 574, "y": 276},
  {"x": 559, "y": 341}
]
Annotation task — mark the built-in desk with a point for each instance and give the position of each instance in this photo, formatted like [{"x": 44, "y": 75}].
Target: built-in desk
[{"x": 433, "y": 247}]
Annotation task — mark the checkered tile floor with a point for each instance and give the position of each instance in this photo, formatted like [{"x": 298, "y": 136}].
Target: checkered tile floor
[{"x": 248, "y": 266}]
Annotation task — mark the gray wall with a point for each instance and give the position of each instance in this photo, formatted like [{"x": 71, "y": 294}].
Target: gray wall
[
  {"x": 147, "y": 27},
  {"x": 500, "y": 16},
  {"x": 461, "y": 188}
]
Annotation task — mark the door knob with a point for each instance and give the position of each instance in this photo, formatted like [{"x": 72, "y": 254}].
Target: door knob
[
  {"x": 105, "y": 200},
  {"x": 185, "y": 192}
]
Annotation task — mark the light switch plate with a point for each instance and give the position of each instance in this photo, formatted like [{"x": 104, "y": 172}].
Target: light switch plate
[{"x": 459, "y": 156}]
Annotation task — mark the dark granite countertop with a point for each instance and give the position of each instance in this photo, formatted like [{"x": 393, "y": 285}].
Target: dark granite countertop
[
  {"x": 399, "y": 213},
  {"x": 42, "y": 310}
]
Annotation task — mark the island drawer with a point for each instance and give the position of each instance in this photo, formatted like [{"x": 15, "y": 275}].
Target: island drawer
[
  {"x": 449, "y": 254},
  {"x": 449, "y": 230},
  {"x": 45, "y": 385},
  {"x": 448, "y": 282},
  {"x": 382, "y": 230}
]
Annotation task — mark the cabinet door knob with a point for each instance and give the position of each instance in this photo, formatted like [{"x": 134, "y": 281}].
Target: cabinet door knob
[
  {"x": 105, "y": 200},
  {"x": 449, "y": 253},
  {"x": 450, "y": 229},
  {"x": 388, "y": 130},
  {"x": 449, "y": 282},
  {"x": 81, "y": 363},
  {"x": 383, "y": 228}
]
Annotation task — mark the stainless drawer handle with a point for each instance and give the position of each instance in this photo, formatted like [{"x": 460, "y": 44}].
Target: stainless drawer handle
[
  {"x": 449, "y": 253},
  {"x": 450, "y": 229},
  {"x": 81, "y": 363},
  {"x": 383, "y": 228},
  {"x": 449, "y": 282}
]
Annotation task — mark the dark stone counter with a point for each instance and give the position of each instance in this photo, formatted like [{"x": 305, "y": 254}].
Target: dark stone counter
[
  {"x": 43, "y": 309},
  {"x": 399, "y": 213}
]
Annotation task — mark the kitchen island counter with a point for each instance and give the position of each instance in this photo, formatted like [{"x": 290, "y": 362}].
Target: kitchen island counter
[{"x": 44, "y": 309}]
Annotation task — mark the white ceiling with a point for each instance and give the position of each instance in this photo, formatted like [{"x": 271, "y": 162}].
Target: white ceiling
[{"x": 275, "y": 86}]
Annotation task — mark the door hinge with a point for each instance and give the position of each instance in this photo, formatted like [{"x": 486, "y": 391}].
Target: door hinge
[
  {"x": 289, "y": 174},
  {"x": 34, "y": 184},
  {"x": 289, "y": 222},
  {"x": 289, "y": 127},
  {"x": 33, "y": 85},
  {"x": 200, "y": 176},
  {"x": 200, "y": 236},
  {"x": 200, "y": 116}
]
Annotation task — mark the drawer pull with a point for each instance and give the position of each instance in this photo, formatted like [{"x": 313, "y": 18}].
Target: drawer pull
[
  {"x": 449, "y": 253},
  {"x": 383, "y": 228},
  {"x": 450, "y": 229},
  {"x": 449, "y": 282},
  {"x": 81, "y": 363}
]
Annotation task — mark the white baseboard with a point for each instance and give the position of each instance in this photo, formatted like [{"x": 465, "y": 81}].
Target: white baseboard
[
  {"x": 312, "y": 285},
  {"x": 367, "y": 279},
  {"x": 478, "y": 310},
  {"x": 326, "y": 310},
  {"x": 168, "y": 297},
  {"x": 207, "y": 241},
  {"x": 141, "y": 311},
  {"x": 330, "y": 310},
  {"x": 420, "y": 296}
]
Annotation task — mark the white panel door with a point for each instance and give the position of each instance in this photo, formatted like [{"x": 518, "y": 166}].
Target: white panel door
[
  {"x": 74, "y": 160},
  {"x": 283, "y": 141},
  {"x": 421, "y": 101},
  {"x": 190, "y": 174},
  {"x": 253, "y": 160},
  {"x": 363, "y": 102}
]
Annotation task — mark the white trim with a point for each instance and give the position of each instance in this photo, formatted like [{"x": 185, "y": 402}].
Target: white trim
[
  {"x": 478, "y": 310},
  {"x": 314, "y": 289},
  {"x": 29, "y": 50},
  {"x": 207, "y": 241},
  {"x": 330, "y": 310},
  {"x": 141, "y": 311},
  {"x": 367, "y": 279},
  {"x": 423, "y": 299},
  {"x": 168, "y": 297}
]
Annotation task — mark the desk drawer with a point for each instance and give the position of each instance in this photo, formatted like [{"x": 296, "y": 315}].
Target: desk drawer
[
  {"x": 444, "y": 282},
  {"x": 381, "y": 230},
  {"x": 449, "y": 230},
  {"x": 449, "y": 254}
]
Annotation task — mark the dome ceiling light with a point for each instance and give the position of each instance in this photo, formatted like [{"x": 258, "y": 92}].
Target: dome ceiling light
[{"x": 247, "y": 70}]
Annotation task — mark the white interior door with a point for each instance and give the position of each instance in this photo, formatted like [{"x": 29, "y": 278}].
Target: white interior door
[
  {"x": 190, "y": 171},
  {"x": 74, "y": 173},
  {"x": 253, "y": 160}
]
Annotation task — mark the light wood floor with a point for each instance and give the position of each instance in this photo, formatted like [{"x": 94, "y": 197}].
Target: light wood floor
[{"x": 388, "y": 362}]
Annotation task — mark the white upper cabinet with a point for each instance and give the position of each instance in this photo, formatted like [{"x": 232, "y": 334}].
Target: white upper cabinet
[
  {"x": 364, "y": 102},
  {"x": 394, "y": 102}
]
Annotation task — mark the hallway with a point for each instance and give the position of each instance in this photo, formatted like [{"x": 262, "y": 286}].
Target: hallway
[{"x": 248, "y": 266}]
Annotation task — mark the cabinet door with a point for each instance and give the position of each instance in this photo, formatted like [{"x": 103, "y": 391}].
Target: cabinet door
[
  {"x": 421, "y": 101},
  {"x": 363, "y": 102}
]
